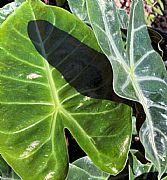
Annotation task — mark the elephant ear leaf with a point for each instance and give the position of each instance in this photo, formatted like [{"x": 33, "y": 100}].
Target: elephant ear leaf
[
  {"x": 46, "y": 86},
  {"x": 139, "y": 72},
  {"x": 79, "y": 8}
]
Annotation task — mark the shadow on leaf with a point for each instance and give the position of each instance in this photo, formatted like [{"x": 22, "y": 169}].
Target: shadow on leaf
[{"x": 85, "y": 69}]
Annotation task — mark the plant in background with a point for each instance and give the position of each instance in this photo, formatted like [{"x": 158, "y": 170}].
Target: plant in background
[
  {"x": 53, "y": 75},
  {"x": 8, "y": 9},
  {"x": 152, "y": 8},
  {"x": 136, "y": 76},
  {"x": 53, "y": 90}
]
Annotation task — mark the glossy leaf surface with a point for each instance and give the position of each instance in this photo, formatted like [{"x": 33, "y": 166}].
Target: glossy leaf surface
[
  {"x": 123, "y": 18},
  {"x": 139, "y": 73},
  {"x": 84, "y": 168},
  {"x": 138, "y": 171},
  {"x": 6, "y": 11},
  {"x": 78, "y": 7},
  {"x": 20, "y": 1},
  {"x": 38, "y": 100}
]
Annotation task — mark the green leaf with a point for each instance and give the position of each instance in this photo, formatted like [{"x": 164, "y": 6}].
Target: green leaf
[
  {"x": 37, "y": 102},
  {"x": 165, "y": 178},
  {"x": 6, "y": 173},
  {"x": 9, "y": 9},
  {"x": 84, "y": 168},
  {"x": 138, "y": 170},
  {"x": 19, "y": 1},
  {"x": 78, "y": 8},
  {"x": 4, "y": 168},
  {"x": 6, "y": 11},
  {"x": 123, "y": 18},
  {"x": 139, "y": 72},
  {"x": 134, "y": 130}
]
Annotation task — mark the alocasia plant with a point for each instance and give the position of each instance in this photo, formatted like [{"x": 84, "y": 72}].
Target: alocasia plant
[
  {"x": 53, "y": 76},
  {"x": 38, "y": 100},
  {"x": 79, "y": 8},
  {"x": 82, "y": 168},
  {"x": 139, "y": 73}
]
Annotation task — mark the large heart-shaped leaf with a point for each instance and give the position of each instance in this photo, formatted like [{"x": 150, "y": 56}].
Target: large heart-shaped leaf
[
  {"x": 38, "y": 101},
  {"x": 139, "y": 73}
]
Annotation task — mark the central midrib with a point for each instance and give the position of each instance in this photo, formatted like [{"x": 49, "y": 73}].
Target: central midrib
[
  {"x": 51, "y": 84},
  {"x": 136, "y": 85},
  {"x": 148, "y": 115}
]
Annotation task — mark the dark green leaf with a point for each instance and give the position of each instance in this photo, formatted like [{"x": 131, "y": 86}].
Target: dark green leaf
[
  {"x": 139, "y": 73},
  {"x": 6, "y": 173}
]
